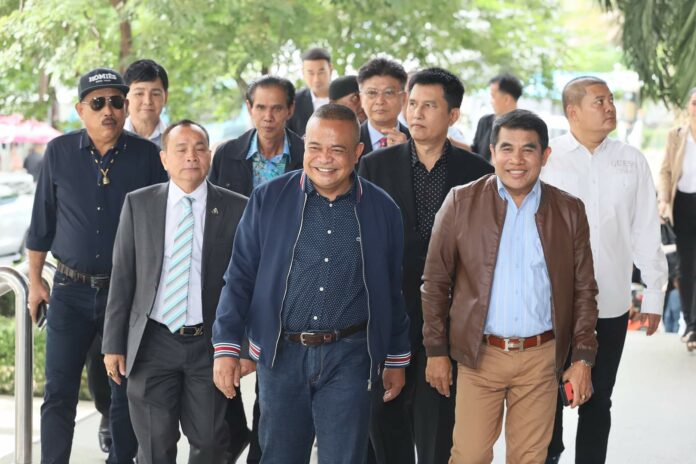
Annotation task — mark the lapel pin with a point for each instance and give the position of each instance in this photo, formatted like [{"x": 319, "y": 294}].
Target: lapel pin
[{"x": 215, "y": 211}]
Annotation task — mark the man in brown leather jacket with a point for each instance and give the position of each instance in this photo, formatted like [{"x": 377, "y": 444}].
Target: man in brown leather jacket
[{"x": 508, "y": 288}]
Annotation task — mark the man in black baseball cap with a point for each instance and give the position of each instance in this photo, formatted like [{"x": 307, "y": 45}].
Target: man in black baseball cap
[
  {"x": 344, "y": 91},
  {"x": 79, "y": 194}
]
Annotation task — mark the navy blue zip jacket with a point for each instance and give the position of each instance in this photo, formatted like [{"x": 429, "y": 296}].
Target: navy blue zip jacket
[{"x": 256, "y": 279}]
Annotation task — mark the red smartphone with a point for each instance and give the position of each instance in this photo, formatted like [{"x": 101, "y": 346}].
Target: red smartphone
[{"x": 566, "y": 393}]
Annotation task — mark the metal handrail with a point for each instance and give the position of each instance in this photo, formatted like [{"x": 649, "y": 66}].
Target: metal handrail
[{"x": 15, "y": 279}]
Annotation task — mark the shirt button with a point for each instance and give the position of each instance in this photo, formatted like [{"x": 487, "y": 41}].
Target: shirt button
[
  {"x": 321, "y": 289},
  {"x": 315, "y": 318},
  {"x": 97, "y": 256},
  {"x": 97, "y": 232},
  {"x": 328, "y": 231},
  {"x": 98, "y": 208},
  {"x": 326, "y": 260}
]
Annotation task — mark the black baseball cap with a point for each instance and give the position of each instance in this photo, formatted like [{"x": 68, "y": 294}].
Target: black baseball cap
[
  {"x": 342, "y": 86},
  {"x": 101, "y": 78}
]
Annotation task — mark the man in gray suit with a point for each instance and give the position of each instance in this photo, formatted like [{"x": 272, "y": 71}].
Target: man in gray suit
[{"x": 173, "y": 245}]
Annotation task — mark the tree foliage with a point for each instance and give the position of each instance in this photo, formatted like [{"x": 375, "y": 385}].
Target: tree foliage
[
  {"x": 660, "y": 45},
  {"x": 211, "y": 48}
]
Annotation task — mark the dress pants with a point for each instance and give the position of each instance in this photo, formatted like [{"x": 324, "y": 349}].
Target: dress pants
[
  {"x": 419, "y": 417},
  {"x": 524, "y": 383},
  {"x": 172, "y": 382},
  {"x": 75, "y": 318},
  {"x": 316, "y": 391},
  {"x": 594, "y": 417},
  {"x": 240, "y": 435},
  {"x": 685, "y": 230}
]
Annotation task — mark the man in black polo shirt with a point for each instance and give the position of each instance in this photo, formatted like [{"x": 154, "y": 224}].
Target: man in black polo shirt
[{"x": 86, "y": 176}]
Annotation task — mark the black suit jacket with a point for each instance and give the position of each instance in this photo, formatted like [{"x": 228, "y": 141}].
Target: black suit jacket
[
  {"x": 390, "y": 169},
  {"x": 482, "y": 138},
  {"x": 365, "y": 137},
  {"x": 303, "y": 111},
  {"x": 232, "y": 170},
  {"x": 138, "y": 257}
]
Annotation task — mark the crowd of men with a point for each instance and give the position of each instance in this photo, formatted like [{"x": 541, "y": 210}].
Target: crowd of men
[{"x": 394, "y": 289}]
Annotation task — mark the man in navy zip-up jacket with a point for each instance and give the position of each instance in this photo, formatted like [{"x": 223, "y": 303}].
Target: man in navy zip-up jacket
[{"x": 314, "y": 283}]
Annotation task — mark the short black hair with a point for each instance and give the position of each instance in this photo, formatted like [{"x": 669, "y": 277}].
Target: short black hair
[
  {"x": 382, "y": 67},
  {"x": 183, "y": 122},
  {"x": 316, "y": 54},
  {"x": 521, "y": 119},
  {"x": 336, "y": 112},
  {"x": 146, "y": 71},
  {"x": 509, "y": 84},
  {"x": 451, "y": 85},
  {"x": 272, "y": 81}
]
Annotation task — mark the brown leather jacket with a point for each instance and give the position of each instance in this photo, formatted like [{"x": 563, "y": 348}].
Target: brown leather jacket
[{"x": 458, "y": 275}]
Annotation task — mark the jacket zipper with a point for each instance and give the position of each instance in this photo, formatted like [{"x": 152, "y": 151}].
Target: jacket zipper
[
  {"x": 367, "y": 293},
  {"x": 287, "y": 280}
]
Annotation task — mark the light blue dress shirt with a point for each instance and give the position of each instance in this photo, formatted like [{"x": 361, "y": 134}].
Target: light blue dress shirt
[
  {"x": 267, "y": 169},
  {"x": 521, "y": 295}
]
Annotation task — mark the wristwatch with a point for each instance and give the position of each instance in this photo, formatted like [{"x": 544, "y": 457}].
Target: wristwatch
[{"x": 585, "y": 362}]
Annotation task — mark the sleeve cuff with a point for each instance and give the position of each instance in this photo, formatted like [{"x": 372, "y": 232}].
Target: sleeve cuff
[
  {"x": 38, "y": 244},
  {"x": 226, "y": 349},
  {"x": 398, "y": 360},
  {"x": 653, "y": 302}
]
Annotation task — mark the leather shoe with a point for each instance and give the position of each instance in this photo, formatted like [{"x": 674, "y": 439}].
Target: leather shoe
[{"x": 104, "y": 434}]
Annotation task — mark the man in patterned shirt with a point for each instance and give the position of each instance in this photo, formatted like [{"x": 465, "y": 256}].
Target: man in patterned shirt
[{"x": 267, "y": 150}]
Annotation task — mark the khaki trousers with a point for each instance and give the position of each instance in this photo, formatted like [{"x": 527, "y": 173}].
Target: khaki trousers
[{"x": 523, "y": 381}]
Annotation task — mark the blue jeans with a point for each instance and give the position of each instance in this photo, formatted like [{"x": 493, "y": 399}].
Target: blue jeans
[
  {"x": 75, "y": 317},
  {"x": 318, "y": 390}
]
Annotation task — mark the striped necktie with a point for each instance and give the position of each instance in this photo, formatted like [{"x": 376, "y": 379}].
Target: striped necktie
[{"x": 177, "y": 284}]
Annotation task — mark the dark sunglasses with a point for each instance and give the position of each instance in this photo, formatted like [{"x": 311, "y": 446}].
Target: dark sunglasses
[{"x": 115, "y": 101}]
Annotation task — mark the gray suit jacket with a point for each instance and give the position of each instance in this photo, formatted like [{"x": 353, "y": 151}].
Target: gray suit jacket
[{"x": 138, "y": 255}]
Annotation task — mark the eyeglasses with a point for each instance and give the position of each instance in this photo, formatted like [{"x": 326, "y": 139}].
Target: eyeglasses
[
  {"x": 388, "y": 94},
  {"x": 97, "y": 103}
]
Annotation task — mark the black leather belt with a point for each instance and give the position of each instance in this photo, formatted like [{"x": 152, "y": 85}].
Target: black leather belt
[
  {"x": 323, "y": 338},
  {"x": 94, "y": 281},
  {"x": 184, "y": 331}
]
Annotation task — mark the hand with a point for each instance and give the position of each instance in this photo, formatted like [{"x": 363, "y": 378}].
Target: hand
[
  {"x": 394, "y": 137},
  {"x": 37, "y": 293},
  {"x": 580, "y": 377},
  {"x": 226, "y": 374},
  {"x": 663, "y": 209},
  {"x": 115, "y": 367},
  {"x": 653, "y": 321},
  {"x": 393, "y": 379},
  {"x": 247, "y": 366},
  {"x": 438, "y": 373}
]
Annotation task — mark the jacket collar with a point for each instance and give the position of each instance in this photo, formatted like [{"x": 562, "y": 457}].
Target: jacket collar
[{"x": 357, "y": 185}]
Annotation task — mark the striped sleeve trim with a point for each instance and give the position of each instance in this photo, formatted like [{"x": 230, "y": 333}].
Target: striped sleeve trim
[
  {"x": 254, "y": 351},
  {"x": 398, "y": 360},
  {"x": 226, "y": 349}
]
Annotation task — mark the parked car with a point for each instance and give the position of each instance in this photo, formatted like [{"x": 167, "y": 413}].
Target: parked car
[{"x": 16, "y": 202}]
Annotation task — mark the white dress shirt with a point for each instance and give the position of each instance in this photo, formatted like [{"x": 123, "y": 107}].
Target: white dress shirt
[
  {"x": 617, "y": 189},
  {"x": 687, "y": 181},
  {"x": 318, "y": 101},
  {"x": 194, "y": 312},
  {"x": 155, "y": 137}
]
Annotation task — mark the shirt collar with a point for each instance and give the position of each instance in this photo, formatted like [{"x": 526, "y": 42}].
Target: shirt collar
[
  {"x": 352, "y": 194},
  {"x": 414, "y": 153},
  {"x": 533, "y": 196},
  {"x": 86, "y": 142},
  {"x": 376, "y": 135},
  {"x": 200, "y": 195},
  {"x": 316, "y": 101},
  {"x": 254, "y": 148},
  {"x": 159, "y": 129},
  {"x": 574, "y": 144}
]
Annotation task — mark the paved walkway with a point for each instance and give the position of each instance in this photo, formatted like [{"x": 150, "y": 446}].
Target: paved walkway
[{"x": 653, "y": 411}]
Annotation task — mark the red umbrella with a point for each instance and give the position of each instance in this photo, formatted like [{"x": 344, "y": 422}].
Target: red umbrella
[{"x": 15, "y": 129}]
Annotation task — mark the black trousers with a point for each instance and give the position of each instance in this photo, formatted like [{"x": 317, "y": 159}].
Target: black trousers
[
  {"x": 419, "y": 417},
  {"x": 240, "y": 435},
  {"x": 172, "y": 383},
  {"x": 594, "y": 417},
  {"x": 97, "y": 381},
  {"x": 685, "y": 230}
]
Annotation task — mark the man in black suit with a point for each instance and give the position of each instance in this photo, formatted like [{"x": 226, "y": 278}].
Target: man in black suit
[
  {"x": 506, "y": 89},
  {"x": 316, "y": 72},
  {"x": 382, "y": 94},
  {"x": 267, "y": 150},
  {"x": 172, "y": 248},
  {"x": 418, "y": 175}
]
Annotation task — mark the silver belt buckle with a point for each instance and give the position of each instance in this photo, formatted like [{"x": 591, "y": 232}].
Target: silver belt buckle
[
  {"x": 302, "y": 338},
  {"x": 517, "y": 344}
]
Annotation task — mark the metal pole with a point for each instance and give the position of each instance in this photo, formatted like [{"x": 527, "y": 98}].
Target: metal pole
[{"x": 19, "y": 284}]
